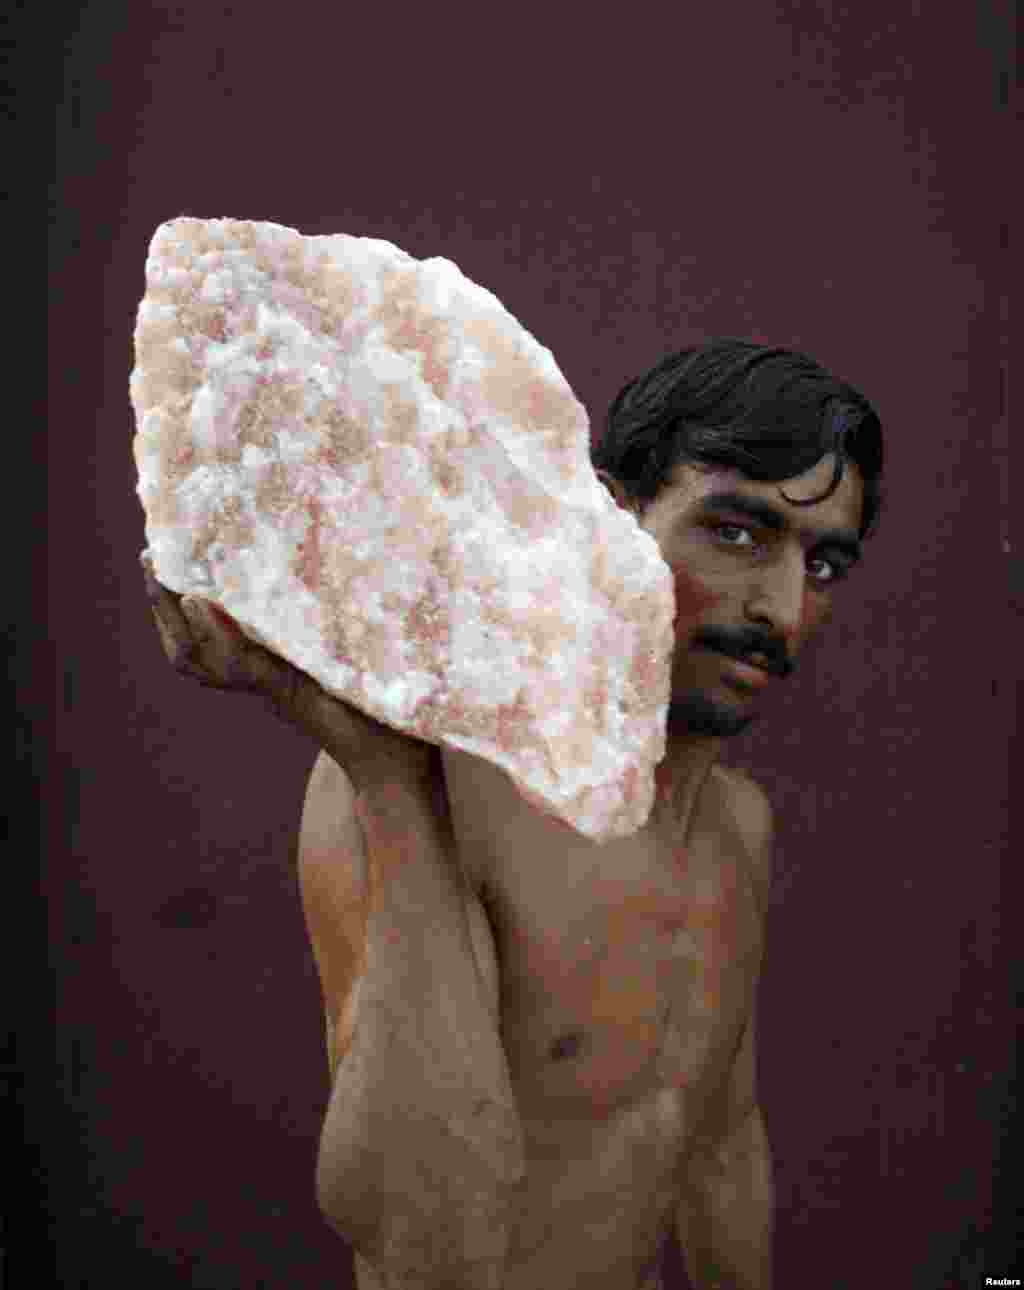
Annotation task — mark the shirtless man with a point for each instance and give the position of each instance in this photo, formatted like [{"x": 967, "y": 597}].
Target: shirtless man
[{"x": 543, "y": 1051}]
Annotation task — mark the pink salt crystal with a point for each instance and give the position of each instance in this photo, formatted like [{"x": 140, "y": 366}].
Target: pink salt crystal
[{"x": 384, "y": 478}]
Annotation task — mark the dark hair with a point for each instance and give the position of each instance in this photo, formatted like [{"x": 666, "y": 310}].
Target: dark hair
[{"x": 771, "y": 413}]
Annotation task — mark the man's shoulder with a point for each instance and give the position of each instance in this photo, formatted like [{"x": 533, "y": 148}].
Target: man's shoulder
[{"x": 750, "y": 811}]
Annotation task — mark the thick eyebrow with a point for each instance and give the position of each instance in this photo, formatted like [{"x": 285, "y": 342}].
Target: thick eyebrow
[{"x": 844, "y": 540}]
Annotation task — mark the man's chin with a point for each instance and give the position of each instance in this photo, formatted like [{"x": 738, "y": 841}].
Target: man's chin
[{"x": 695, "y": 713}]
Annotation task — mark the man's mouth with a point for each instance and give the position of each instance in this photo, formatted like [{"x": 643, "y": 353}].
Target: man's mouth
[
  {"x": 746, "y": 673},
  {"x": 760, "y": 662}
]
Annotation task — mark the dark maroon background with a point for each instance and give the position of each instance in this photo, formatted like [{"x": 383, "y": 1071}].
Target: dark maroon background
[{"x": 627, "y": 179}]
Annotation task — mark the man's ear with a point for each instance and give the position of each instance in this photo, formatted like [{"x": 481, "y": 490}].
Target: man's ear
[{"x": 616, "y": 489}]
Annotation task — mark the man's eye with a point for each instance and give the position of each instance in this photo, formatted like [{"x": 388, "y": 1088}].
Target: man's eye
[
  {"x": 837, "y": 570},
  {"x": 735, "y": 528},
  {"x": 834, "y": 571},
  {"x": 837, "y": 573}
]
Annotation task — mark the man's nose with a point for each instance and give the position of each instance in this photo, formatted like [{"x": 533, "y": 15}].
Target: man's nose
[{"x": 776, "y": 600}]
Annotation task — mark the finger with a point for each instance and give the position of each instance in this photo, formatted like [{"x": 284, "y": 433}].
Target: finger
[
  {"x": 165, "y": 602},
  {"x": 175, "y": 633},
  {"x": 170, "y": 646},
  {"x": 204, "y": 656},
  {"x": 225, "y": 655},
  {"x": 154, "y": 588}
]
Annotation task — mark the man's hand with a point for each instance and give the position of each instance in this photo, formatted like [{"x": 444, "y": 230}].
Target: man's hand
[{"x": 204, "y": 643}]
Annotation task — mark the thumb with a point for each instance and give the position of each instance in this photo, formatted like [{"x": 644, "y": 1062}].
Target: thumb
[{"x": 192, "y": 608}]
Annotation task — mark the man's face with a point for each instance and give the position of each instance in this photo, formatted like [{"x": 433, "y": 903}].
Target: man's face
[{"x": 747, "y": 588}]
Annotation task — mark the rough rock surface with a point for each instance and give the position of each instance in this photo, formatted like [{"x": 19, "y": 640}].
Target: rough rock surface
[{"x": 384, "y": 478}]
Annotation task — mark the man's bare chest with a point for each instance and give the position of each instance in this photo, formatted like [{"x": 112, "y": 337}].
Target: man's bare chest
[
  {"x": 626, "y": 971},
  {"x": 618, "y": 985}
]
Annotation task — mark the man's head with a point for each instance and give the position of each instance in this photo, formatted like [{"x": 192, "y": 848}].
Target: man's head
[{"x": 800, "y": 455}]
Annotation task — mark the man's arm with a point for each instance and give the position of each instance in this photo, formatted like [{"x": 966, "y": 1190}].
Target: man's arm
[
  {"x": 725, "y": 1218},
  {"x": 421, "y": 1149}
]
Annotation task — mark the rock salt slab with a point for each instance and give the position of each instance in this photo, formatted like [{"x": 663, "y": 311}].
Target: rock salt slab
[{"x": 384, "y": 478}]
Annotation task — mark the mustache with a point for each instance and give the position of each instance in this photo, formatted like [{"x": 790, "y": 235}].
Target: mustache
[{"x": 743, "y": 644}]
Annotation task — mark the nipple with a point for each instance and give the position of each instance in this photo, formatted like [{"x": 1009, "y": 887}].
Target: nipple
[{"x": 567, "y": 1045}]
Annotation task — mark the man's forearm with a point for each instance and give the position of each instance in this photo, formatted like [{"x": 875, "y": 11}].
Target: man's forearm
[
  {"x": 421, "y": 1152},
  {"x": 725, "y": 1216}
]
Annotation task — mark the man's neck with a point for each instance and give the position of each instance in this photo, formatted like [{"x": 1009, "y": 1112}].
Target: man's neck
[{"x": 681, "y": 775}]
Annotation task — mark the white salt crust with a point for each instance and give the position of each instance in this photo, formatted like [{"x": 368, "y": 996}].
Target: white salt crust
[{"x": 384, "y": 478}]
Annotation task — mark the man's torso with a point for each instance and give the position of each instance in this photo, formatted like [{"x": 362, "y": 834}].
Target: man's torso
[{"x": 625, "y": 978}]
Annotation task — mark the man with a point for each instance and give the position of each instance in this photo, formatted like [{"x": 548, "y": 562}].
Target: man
[{"x": 543, "y": 1051}]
